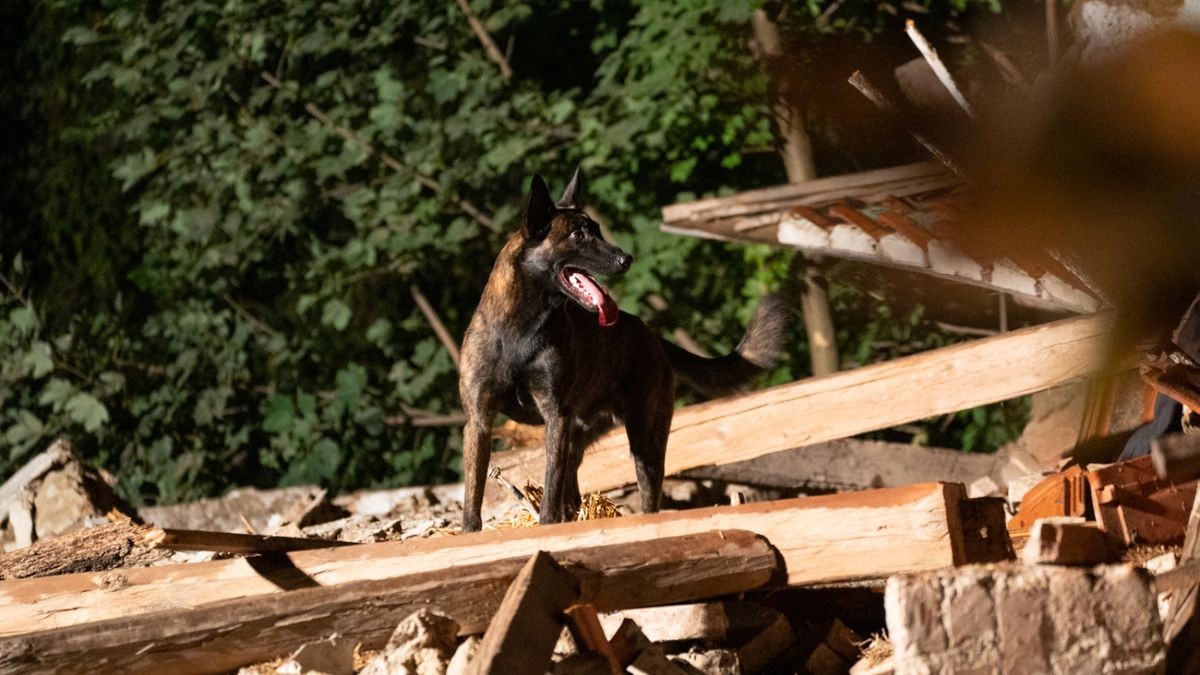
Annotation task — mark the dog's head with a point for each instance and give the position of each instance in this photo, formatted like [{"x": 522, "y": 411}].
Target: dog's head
[{"x": 565, "y": 248}]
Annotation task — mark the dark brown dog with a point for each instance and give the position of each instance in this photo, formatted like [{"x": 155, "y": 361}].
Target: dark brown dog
[{"x": 546, "y": 347}]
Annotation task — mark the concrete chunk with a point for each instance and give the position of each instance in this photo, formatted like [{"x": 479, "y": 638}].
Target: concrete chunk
[{"x": 1025, "y": 619}]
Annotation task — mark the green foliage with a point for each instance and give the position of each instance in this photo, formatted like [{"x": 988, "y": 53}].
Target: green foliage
[{"x": 220, "y": 210}]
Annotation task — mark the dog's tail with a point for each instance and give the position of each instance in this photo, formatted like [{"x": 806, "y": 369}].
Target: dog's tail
[{"x": 732, "y": 373}]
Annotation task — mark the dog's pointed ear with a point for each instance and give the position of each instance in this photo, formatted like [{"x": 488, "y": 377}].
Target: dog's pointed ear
[
  {"x": 573, "y": 196},
  {"x": 538, "y": 208}
]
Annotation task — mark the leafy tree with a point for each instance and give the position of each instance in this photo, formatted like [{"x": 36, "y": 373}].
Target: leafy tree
[{"x": 218, "y": 210}]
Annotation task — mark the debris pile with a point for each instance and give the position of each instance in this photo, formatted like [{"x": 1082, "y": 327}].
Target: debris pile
[
  {"x": 788, "y": 545},
  {"x": 1040, "y": 566}
]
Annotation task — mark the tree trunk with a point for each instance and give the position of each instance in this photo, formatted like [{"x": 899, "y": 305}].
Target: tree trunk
[{"x": 796, "y": 152}]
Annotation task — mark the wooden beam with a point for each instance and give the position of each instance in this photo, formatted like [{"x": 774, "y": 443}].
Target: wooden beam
[
  {"x": 817, "y": 191},
  {"x": 231, "y": 542},
  {"x": 844, "y": 404},
  {"x": 68, "y": 600},
  {"x": 189, "y": 635},
  {"x": 1059, "y": 541},
  {"x": 819, "y": 539},
  {"x": 529, "y": 620}
]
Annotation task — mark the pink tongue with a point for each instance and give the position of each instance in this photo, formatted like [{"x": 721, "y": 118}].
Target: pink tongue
[{"x": 602, "y": 300}]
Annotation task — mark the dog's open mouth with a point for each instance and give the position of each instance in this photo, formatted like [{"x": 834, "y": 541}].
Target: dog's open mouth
[{"x": 589, "y": 293}]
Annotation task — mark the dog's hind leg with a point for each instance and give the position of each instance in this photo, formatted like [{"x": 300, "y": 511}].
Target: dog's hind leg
[
  {"x": 648, "y": 423},
  {"x": 583, "y": 434},
  {"x": 648, "y": 444}
]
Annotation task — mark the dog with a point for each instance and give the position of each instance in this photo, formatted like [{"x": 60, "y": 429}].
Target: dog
[{"x": 548, "y": 345}]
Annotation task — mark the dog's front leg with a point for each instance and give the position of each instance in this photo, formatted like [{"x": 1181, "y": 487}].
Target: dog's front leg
[
  {"x": 477, "y": 451},
  {"x": 555, "y": 508}
]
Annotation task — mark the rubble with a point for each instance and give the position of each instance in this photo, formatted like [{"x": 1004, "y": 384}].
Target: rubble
[
  {"x": 422, "y": 644},
  {"x": 1025, "y": 619},
  {"x": 746, "y": 576},
  {"x": 334, "y": 656},
  {"x": 53, "y": 494}
]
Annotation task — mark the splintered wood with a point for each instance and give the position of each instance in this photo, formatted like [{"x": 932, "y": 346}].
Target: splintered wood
[
  {"x": 529, "y": 620},
  {"x": 118, "y": 544}
]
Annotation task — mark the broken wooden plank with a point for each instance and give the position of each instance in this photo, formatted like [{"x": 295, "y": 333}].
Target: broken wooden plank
[
  {"x": 585, "y": 627},
  {"x": 819, "y": 539},
  {"x": 529, "y": 620},
  {"x": 1179, "y": 381},
  {"x": 96, "y": 549},
  {"x": 939, "y": 68},
  {"x": 1137, "y": 507},
  {"x": 844, "y": 404},
  {"x": 230, "y": 542},
  {"x": 244, "y": 630},
  {"x": 127, "y": 544},
  {"x": 230, "y": 512},
  {"x": 821, "y": 190},
  {"x": 1067, "y": 541},
  {"x": 1064, "y": 494},
  {"x": 639, "y": 655},
  {"x": 82, "y": 598},
  {"x": 1025, "y": 619}
]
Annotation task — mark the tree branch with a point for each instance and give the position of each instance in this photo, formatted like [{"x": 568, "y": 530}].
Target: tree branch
[
  {"x": 485, "y": 39},
  {"x": 254, "y": 321},
  {"x": 796, "y": 153},
  {"x": 443, "y": 334},
  {"x": 393, "y": 163}
]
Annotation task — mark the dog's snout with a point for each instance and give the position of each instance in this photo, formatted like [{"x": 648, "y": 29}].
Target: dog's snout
[{"x": 624, "y": 261}]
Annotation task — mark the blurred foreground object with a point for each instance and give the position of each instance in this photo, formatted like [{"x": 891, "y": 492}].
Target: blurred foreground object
[{"x": 1103, "y": 169}]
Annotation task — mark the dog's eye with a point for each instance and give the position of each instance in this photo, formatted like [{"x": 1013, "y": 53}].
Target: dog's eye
[{"x": 578, "y": 235}]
